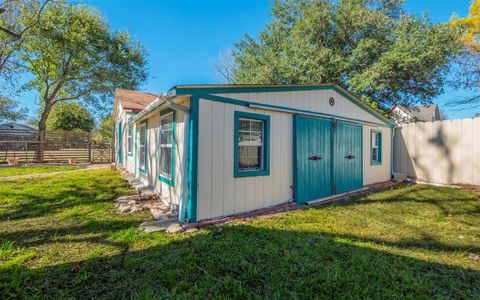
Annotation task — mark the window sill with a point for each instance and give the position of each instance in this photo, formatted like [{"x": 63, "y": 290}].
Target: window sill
[
  {"x": 166, "y": 180},
  {"x": 375, "y": 163},
  {"x": 130, "y": 154},
  {"x": 239, "y": 174},
  {"x": 143, "y": 170}
]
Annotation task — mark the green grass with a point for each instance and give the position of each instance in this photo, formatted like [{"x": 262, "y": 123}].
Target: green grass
[
  {"x": 413, "y": 241},
  {"x": 27, "y": 170}
]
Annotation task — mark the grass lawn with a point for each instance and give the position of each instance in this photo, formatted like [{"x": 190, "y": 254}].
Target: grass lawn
[
  {"x": 413, "y": 241},
  {"x": 27, "y": 170}
]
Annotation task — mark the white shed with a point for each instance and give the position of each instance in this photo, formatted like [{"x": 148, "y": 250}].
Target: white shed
[{"x": 218, "y": 150}]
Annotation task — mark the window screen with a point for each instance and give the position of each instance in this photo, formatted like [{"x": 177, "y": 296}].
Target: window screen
[
  {"x": 143, "y": 146},
  {"x": 250, "y": 143},
  {"x": 166, "y": 142}
]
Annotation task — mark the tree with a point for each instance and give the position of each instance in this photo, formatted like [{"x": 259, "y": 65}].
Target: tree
[
  {"x": 16, "y": 27},
  {"x": 70, "y": 116},
  {"x": 17, "y": 18},
  {"x": 104, "y": 133},
  {"x": 73, "y": 55},
  {"x": 32, "y": 122},
  {"x": 9, "y": 110},
  {"x": 468, "y": 61},
  {"x": 224, "y": 66},
  {"x": 443, "y": 114},
  {"x": 372, "y": 47}
]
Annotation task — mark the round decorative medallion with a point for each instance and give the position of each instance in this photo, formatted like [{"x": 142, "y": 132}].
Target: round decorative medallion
[{"x": 331, "y": 101}]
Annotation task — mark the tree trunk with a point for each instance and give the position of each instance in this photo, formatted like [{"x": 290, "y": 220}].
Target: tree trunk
[
  {"x": 42, "y": 132},
  {"x": 49, "y": 102},
  {"x": 3, "y": 60}
]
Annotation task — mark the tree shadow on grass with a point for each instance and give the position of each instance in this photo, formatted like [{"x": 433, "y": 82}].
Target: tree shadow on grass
[
  {"x": 450, "y": 201},
  {"x": 96, "y": 230},
  {"x": 31, "y": 205},
  {"x": 243, "y": 261},
  {"x": 237, "y": 261}
]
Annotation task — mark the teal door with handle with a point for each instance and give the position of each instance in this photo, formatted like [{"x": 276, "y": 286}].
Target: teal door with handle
[
  {"x": 327, "y": 157},
  {"x": 312, "y": 158},
  {"x": 348, "y": 171}
]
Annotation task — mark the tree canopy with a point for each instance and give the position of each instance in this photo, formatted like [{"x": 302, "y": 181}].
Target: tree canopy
[
  {"x": 471, "y": 26},
  {"x": 104, "y": 132},
  {"x": 9, "y": 110},
  {"x": 468, "y": 62},
  {"x": 17, "y": 18},
  {"x": 70, "y": 116},
  {"x": 72, "y": 54},
  {"x": 371, "y": 47}
]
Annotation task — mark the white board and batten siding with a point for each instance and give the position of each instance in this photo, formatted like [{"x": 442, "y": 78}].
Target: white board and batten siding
[
  {"x": 129, "y": 159},
  {"x": 220, "y": 194},
  {"x": 170, "y": 195},
  {"x": 122, "y": 116}
]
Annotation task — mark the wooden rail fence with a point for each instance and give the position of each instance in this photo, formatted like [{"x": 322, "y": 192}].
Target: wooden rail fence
[{"x": 59, "y": 147}]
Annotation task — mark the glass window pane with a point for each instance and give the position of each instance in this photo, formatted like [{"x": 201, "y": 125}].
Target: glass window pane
[
  {"x": 166, "y": 137},
  {"x": 166, "y": 126},
  {"x": 166, "y": 161},
  {"x": 256, "y": 137},
  {"x": 166, "y": 129},
  {"x": 243, "y": 137},
  {"x": 142, "y": 156},
  {"x": 166, "y": 140},
  {"x": 250, "y": 143},
  {"x": 142, "y": 148},
  {"x": 142, "y": 135},
  {"x": 249, "y": 157},
  {"x": 256, "y": 126},
  {"x": 244, "y": 125},
  {"x": 167, "y": 119},
  {"x": 166, "y": 123},
  {"x": 374, "y": 154}
]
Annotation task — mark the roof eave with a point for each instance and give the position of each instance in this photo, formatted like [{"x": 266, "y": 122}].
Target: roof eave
[{"x": 189, "y": 89}]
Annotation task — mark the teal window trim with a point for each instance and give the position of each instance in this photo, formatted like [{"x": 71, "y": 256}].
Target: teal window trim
[
  {"x": 143, "y": 168},
  {"x": 193, "y": 160},
  {"x": 170, "y": 181},
  {"x": 378, "y": 161},
  {"x": 265, "y": 171},
  {"x": 130, "y": 140},
  {"x": 120, "y": 143}
]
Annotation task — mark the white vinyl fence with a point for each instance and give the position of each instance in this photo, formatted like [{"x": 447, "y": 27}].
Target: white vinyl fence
[{"x": 439, "y": 152}]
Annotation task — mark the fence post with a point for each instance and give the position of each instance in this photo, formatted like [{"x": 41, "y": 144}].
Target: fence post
[{"x": 90, "y": 152}]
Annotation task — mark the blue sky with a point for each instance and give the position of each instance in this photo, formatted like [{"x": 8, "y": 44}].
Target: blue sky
[{"x": 183, "y": 37}]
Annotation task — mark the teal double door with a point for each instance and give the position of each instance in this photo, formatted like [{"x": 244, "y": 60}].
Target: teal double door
[{"x": 327, "y": 157}]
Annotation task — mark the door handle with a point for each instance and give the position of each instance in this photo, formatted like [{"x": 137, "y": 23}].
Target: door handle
[
  {"x": 315, "y": 158},
  {"x": 349, "y": 156}
]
